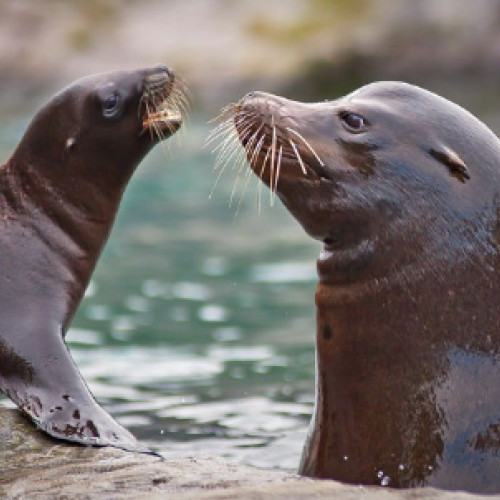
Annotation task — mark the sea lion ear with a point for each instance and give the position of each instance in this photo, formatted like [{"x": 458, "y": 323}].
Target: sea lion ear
[{"x": 450, "y": 158}]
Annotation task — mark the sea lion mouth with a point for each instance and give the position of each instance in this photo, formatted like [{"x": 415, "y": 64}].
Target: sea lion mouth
[{"x": 164, "y": 103}]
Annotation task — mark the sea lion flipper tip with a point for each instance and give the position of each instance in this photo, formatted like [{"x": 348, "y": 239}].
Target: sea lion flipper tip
[{"x": 57, "y": 399}]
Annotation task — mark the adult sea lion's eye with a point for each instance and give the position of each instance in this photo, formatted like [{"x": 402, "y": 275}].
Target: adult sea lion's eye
[
  {"x": 110, "y": 105},
  {"x": 352, "y": 121}
]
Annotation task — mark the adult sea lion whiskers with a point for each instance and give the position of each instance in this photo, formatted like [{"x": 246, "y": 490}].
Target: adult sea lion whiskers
[
  {"x": 262, "y": 140},
  {"x": 402, "y": 187},
  {"x": 59, "y": 195}
]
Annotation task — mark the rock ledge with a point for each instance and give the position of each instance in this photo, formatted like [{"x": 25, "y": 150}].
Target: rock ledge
[{"x": 36, "y": 467}]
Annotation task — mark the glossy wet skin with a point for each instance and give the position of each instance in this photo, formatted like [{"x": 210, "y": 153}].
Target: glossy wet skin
[
  {"x": 59, "y": 194},
  {"x": 402, "y": 186}
]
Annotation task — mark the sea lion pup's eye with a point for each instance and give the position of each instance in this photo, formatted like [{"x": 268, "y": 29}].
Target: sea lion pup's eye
[
  {"x": 352, "y": 121},
  {"x": 111, "y": 105}
]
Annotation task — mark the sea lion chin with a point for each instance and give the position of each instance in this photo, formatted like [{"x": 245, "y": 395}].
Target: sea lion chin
[
  {"x": 59, "y": 194},
  {"x": 403, "y": 188}
]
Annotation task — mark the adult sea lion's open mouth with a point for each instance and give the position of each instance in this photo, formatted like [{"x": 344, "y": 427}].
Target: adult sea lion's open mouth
[{"x": 164, "y": 103}]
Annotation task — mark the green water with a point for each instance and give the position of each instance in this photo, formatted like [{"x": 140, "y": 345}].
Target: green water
[{"x": 197, "y": 332}]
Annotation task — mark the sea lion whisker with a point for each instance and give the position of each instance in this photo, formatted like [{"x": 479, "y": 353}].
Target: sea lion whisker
[
  {"x": 229, "y": 136},
  {"x": 183, "y": 93},
  {"x": 161, "y": 137},
  {"x": 257, "y": 149},
  {"x": 297, "y": 154},
  {"x": 261, "y": 173},
  {"x": 232, "y": 147},
  {"x": 241, "y": 162},
  {"x": 142, "y": 104},
  {"x": 273, "y": 157},
  {"x": 248, "y": 176},
  {"x": 223, "y": 161},
  {"x": 246, "y": 133},
  {"x": 242, "y": 135},
  {"x": 222, "y": 167},
  {"x": 239, "y": 165},
  {"x": 178, "y": 101},
  {"x": 227, "y": 113},
  {"x": 215, "y": 135},
  {"x": 250, "y": 144},
  {"x": 277, "y": 176},
  {"x": 231, "y": 144},
  {"x": 216, "y": 132},
  {"x": 181, "y": 85},
  {"x": 150, "y": 122},
  {"x": 293, "y": 131},
  {"x": 219, "y": 175}
]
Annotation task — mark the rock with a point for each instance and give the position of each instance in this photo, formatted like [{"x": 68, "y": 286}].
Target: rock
[{"x": 36, "y": 467}]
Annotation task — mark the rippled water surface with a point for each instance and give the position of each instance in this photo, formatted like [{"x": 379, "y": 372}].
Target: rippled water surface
[{"x": 197, "y": 331}]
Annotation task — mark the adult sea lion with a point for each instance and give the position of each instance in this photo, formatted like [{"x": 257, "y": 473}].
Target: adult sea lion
[
  {"x": 59, "y": 194},
  {"x": 403, "y": 188}
]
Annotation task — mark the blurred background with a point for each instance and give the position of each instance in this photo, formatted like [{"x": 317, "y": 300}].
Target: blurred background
[{"x": 197, "y": 331}]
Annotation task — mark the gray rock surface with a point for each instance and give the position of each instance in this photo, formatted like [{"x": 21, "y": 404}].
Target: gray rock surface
[{"x": 34, "y": 466}]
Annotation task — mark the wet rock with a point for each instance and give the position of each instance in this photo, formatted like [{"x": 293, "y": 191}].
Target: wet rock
[{"x": 36, "y": 467}]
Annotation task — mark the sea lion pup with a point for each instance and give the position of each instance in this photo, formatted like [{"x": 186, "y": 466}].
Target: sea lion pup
[
  {"x": 59, "y": 194},
  {"x": 403, "y": 188}
]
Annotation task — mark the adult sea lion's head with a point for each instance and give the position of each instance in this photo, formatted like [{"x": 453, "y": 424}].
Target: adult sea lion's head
[{"x": 371, "y": 172}]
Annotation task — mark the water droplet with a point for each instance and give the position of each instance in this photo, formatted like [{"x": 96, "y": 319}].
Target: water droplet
[
  {"x": 345, "y": 458},
  {"x": 401, "y": 467},
  {"x": 380, "y": 474}
]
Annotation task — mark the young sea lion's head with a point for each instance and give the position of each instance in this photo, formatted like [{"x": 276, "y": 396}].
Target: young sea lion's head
[{"x": 103, "y": 125}]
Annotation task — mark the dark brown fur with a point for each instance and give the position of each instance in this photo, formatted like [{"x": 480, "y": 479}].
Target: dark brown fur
[{"x": 408, "y": 327}]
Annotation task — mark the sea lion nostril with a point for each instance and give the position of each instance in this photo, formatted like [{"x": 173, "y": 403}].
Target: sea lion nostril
[
  {"x": 254, "y": 94},
  {"x": 158, "y": 78},
  {"x": 161, "y": 68}
]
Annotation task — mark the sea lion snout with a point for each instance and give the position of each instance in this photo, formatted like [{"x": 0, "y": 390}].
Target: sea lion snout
[
  {"x": 271, "y": 129},
  {"x": 164, "y": 101}
]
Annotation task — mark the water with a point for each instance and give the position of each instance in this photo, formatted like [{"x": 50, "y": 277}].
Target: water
[{"x": 197, "y": 331}]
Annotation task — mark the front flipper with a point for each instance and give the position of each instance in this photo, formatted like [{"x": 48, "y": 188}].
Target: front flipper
[{"x": 39, "y": 375}]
